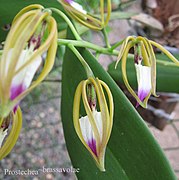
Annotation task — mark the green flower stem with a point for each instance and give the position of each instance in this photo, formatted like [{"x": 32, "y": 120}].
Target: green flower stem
[
  {"x": 116, "y": 45},
  {"x": 106, "y": 38},
  {"x": 89, "y": 45},
  {"x": 102, "y": 50},
  {"x": 88, "y": 70},
  {"x": 61, "y": 14},
  {"x": 97, "y": 55}
]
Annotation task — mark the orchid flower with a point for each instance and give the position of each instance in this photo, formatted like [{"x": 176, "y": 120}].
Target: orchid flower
[
  {"x": 33, "y": 35},
  {"x": 145, "y": 65},
  {"x": 77, "y": 12},
  {"x": 94, "y": 129}
]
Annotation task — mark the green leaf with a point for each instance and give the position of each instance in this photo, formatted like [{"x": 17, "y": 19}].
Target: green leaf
[
  {"x": 9, "y": 8},
  {"x": 132, "y": 152},
  {"x": 122, "y": 15},
  {"x": 167, "y": 76}
]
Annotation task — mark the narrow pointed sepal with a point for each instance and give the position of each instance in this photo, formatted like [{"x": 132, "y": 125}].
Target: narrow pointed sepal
[{"x": 123, "y": 49}]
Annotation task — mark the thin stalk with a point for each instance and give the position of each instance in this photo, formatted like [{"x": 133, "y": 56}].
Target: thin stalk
[
  {"x": 88, "y": 70},
  {"x": 106, "y": 38},
  {"x": 89, "y": 45},
  {"x": 103, "y": 50},
  {"x": 61, "y": 14},
  {"x": 116, "y": 45}
]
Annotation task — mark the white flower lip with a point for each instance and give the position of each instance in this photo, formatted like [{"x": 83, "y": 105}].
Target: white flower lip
[
  {"x": 78, "y": 7},
  {"x": 23, "y": 79},
  {"x": 144, "y": 80},
  {"x": 26, "y": 75},
  {"x": 87, "y": 130}
]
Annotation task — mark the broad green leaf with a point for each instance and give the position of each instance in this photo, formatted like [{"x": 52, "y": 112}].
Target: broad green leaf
[
  {"x": 132, "y": 151},
  {"x": 9, "y": 8},
  {"x": 167, "y": 76}
]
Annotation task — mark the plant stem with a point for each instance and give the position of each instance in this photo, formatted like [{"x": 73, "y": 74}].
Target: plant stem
[
  {"x": 103, "y": 50},
  {"x": 88, "y": 70},
  {"x": 89, "y": 45},
  {"x": 61, "y": 14},
  {"x": 106, "y": 38},
  {"x": 116, "y": 45}
]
